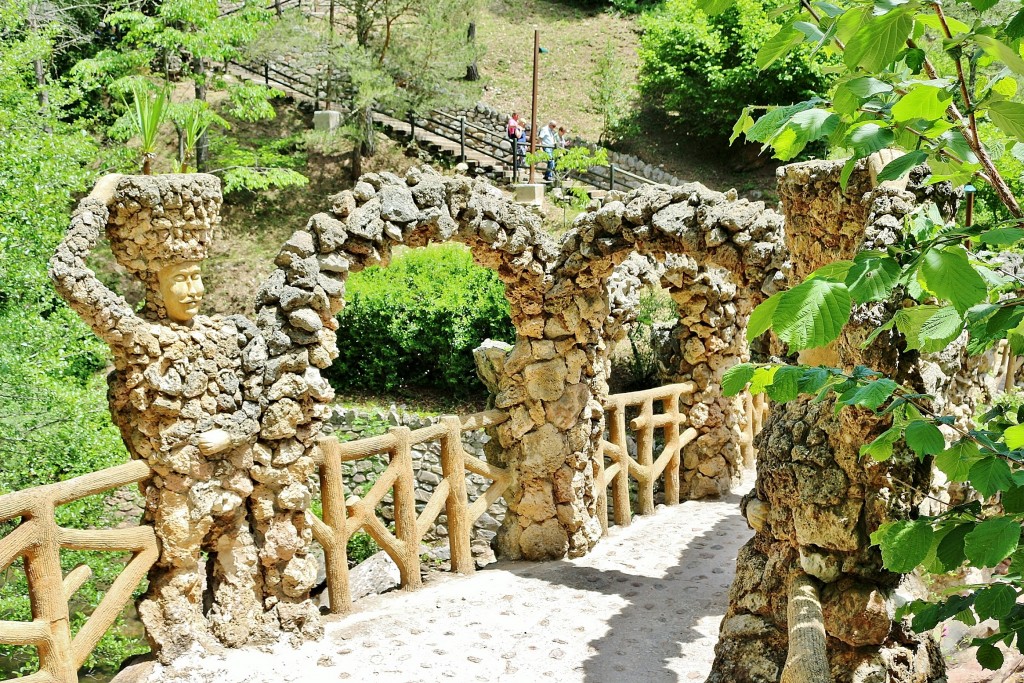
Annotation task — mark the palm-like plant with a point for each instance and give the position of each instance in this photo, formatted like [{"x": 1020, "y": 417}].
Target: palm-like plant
[
  {"x": 148, "y": 111},
  {"x": 193, "y": 119}
]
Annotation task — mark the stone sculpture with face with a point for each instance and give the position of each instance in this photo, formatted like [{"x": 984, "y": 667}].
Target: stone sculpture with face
[{"x": 181, "y": 289}]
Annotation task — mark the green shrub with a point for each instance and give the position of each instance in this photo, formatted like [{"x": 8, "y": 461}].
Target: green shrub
[
  {"x": 416, "y": 323},
  {"x": 703, "y": 67}
]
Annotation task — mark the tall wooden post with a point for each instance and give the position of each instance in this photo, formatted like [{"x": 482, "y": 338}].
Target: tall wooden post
[{"x": 533, "y": 106}]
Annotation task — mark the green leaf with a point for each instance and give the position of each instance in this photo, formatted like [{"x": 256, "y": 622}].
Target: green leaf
[
  {"x": 1001, "y": 51},
  {"x": 1002, "y": 236},
  {"x": 989, "y": 656},
  {"x": 982, "y": 5},
  {"x": 992, "y": 541},
  {"x": 880, "y": 448},
  {"x": 812, "y": 314},
  {"x": 778, "y": 46},
  {"x": 950, "y": 551},
  {"x": 785, "y": 385},
  {"x": 872, "y": 279},
  {"x": 869, "y": 138},
  {"x": 761, "y": 317},
  {"x": 872, "y": 394},
  {"x": 763, "y": 377},
  {"x": 995, "y": 602},
  {"x": 833, "y": 272},
  {"x": 878, "y": 41},
  {"x": 813, "y": 379},
  {"x": 956, "y": 461},
  {"x": 1013, "y": 500},
  {"x": 1015, "y": 28},
  {"x": 1008, "y": 117},
  {"x": 865, "y": 87},
  {"x": 771, "y": 123},
  {"x": 1014, "y": 437},
  {"x": 735, "y": 379},
  {"x": 948, "y": 274},
  {"x": 904, "y": 544},
  {"x": 923, "y": 102},
  {"x": 928, "y": 328},
  {"x": 924, "y": 438},
  {"x": 990, "y": 475},
  {"x": 901, "y": 165}
]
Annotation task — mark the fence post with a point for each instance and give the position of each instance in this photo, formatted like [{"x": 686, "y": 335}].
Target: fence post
[
  {"x": 611, "y": 177},
  {"x": 462, "y": 139},
  {"x": 515, "y": 160},
  {"x": 412, "y": 126},
  {"x": 645, "y": 458},
  {"x": 453, "y": 468},
  {"x": 672, "y": 441},
  {"x": 266, "y": 73},
  {"x": 332, "y": 494},
  {"x": 405, "y": 509},
  {"x": 620, "y": 490}
]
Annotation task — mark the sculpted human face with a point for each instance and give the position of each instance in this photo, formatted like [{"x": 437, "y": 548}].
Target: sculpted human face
[{"x": 181, "y": 286}]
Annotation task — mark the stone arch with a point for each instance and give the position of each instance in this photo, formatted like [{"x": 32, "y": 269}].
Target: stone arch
[{"x": 554, "y": 380}]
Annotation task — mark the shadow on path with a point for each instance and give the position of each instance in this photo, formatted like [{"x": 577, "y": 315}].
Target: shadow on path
[{"x": 678, "y": 601}]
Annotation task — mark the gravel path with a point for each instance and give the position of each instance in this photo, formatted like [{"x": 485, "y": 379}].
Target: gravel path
[{"x": 645, "y": 606}]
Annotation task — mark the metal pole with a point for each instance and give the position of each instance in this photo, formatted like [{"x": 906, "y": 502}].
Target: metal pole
[
  {"x": 533, "y": 108},
  {"x": 462, "y": 139},
  {"x": 611, "y": 177},
  {"x": 412, "y": 126}
]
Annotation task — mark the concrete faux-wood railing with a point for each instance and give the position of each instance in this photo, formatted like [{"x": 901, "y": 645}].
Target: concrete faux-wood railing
[{"x": 39, "y": 540}]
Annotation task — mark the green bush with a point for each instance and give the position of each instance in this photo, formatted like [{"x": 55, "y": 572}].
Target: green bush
[
  {"x": 704, "y": 67},
  {"x": 416, "y": 322}
]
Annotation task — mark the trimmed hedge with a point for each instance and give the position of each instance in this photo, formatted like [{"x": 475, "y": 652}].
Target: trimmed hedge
[{"x": 416, "y": 322}]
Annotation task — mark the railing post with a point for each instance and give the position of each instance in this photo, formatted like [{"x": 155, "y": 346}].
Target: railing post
[
  {"x": 266, "y": 73},
  {"x": 620, "y": 492},
  {"x": 405, "y": 509},
  {"x": 49, "y": 606},
  {"x": 412, "y": 126},
  {"x": 462, "y": 139},
  {"x": 645, "y": 458},
  {"x": 515, "y": 160},
  {"x": 453, "y": 468},
  {"x": 602, "y": 490},
  {"x": 611, "y": 177},
  {"x": 332, "y": 493},
  {"x": 672, "y": 441}
]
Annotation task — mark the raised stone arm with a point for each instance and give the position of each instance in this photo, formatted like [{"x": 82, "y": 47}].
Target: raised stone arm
[{"x": 107, "y": 313}]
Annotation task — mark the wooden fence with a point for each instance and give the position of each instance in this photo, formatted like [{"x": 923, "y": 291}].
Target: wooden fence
[
  {"x": 341, "y": 520},
  {"x": 645, "y": 469},
  {"x": 38, "y": 539}
]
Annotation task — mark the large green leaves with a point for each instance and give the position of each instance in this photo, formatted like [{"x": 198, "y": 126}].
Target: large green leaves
[
  {"x": 992, "y": 541},
  {"x": 812, "y": 314},
  {"x": 923, "y": 102},
  {"x": 948, "y": 274},
  {"x": 1009, "y": 116},
  {"x": 878, "y": 41},
  {"x": 904, "y": 544}
]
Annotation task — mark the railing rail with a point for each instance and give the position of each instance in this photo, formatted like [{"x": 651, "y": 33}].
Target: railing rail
[
  {"x": 39, "y": 540},
  {"x": 341, "y": 519},
  {"x": 645, "y": 469}
]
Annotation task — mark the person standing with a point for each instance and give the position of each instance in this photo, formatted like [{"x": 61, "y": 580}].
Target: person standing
[{"x": 548, "y": 141}]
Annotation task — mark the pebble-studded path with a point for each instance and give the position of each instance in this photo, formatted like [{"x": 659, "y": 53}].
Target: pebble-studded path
[{"x": 645, "y": 606}]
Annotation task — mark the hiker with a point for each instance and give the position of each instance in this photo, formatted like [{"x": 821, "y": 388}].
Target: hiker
[
  {"x": 514, "y": 128},
  {"x": 563, "y": 138}
]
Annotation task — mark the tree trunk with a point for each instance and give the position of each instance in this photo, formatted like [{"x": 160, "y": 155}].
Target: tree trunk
[
  {"x": 42, "y": 95},
  {"x": 203, "y": 144},
  {"x": 357, "y": 161},
  {"x": 369, "y": 139},
  {"x": 472, "y": 73},
  {"x": 807, "y": 661}
]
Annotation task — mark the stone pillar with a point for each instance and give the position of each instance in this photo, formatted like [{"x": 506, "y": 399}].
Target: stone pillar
[
  {"x": 552, "y": 384},
  {"x": 816, "y": 501},
  {"x": 708, "y": 340}
]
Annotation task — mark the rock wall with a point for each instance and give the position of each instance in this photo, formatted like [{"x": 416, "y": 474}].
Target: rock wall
[{"x": 816, "y": 501}]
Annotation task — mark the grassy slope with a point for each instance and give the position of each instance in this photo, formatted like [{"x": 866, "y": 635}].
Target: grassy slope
[{"x": 575, "y": 39}]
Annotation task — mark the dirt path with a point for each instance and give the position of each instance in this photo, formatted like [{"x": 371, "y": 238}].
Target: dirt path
[{"x": 645, "y": 606}]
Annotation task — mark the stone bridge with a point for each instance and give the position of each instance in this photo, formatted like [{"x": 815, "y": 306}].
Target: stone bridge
[{"x": 225, "y": 417}]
